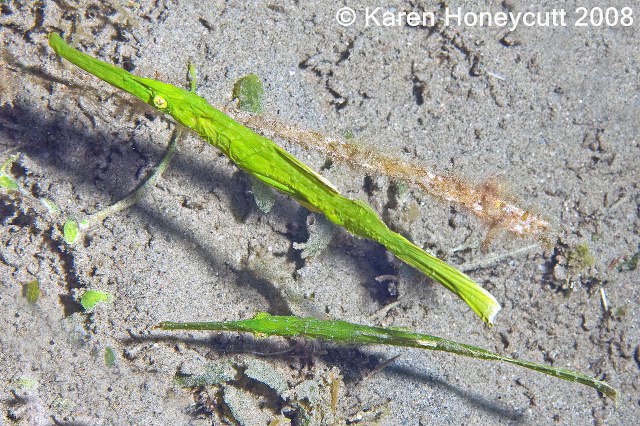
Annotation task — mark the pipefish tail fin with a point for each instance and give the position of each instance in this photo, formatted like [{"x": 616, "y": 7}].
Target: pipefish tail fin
[
  {"x": 364, "y": 222},
  {"x": 479, "y": 300}
]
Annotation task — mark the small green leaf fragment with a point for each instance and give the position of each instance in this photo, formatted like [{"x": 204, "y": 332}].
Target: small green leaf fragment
[
  {"x": 192, "y": 76},
  {"x": 33, "y": 291},
  {"x": 92, "y": 297},
  {"x": 70, "y": 231},
  {"x": 8, "y": 183},
  {"x": 250, "y": 94},
  {"x": 109, "y": 357}
]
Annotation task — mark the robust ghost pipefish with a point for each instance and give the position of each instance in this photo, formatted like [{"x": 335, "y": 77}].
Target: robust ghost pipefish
[
  {"x": 337, "y": 331},
  {"x": 268, "y": 162}
]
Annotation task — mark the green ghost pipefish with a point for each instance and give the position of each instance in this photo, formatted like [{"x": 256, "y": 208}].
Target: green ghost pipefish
[
  {"x": 338, "y": 331},
  {"x": 268, "y": 162}
]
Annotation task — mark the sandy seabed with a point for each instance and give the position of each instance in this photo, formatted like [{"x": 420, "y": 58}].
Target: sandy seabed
[{"x": 550, "y": 115}]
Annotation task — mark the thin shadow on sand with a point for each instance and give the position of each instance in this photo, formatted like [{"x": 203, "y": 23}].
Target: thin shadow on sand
[{"x": 354, "y": 363}]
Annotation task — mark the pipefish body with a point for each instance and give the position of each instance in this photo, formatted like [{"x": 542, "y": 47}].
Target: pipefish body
[{"x": 268, "y": 162}]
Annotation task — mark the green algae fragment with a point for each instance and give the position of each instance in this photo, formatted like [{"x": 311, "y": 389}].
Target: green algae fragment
[
  {"x": 250, "y": 94},
  {"x": 8, "y": 183},
  {"x": 33, "y": 291},
  {"x": 92, "y": 297},
  {"x": 109, "y": 357},
  {"x": 70, "y": 231},
  {"x": 580, "y": 258}
]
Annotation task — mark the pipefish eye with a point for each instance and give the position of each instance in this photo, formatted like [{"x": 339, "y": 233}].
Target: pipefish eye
[{"x": 160, "y": 102}]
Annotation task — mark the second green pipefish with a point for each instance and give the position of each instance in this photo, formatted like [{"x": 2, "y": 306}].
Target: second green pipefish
[{"x": 265, "y": 160}]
